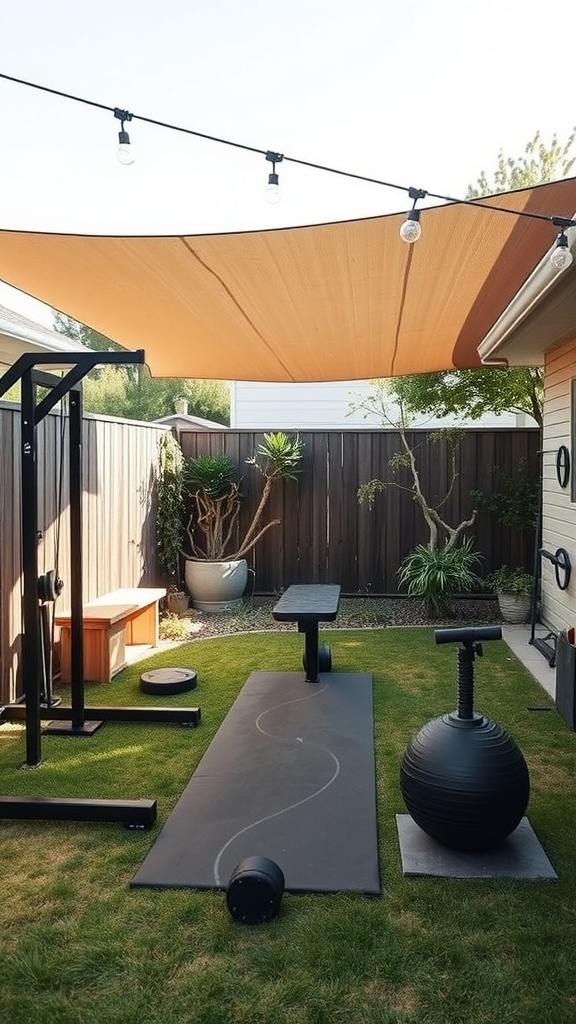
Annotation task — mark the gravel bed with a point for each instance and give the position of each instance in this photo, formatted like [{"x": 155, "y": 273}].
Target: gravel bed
[{"x": 354, "y": 613}]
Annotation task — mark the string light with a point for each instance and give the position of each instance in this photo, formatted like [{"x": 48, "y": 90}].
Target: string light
[
  {"x": 272, "y": 193},
  {"x": 124, "y": 153},
  {"x": 561, "y": 257},
  {"x": 411, "y": 229},
  {"x": 411, "y": 226}
]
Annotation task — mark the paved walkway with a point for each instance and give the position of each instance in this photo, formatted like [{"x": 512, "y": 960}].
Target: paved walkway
[{"x": 517, "y": 638}]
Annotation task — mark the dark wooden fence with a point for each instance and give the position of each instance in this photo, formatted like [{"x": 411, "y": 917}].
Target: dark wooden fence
[{"x": 326, "y": 536}]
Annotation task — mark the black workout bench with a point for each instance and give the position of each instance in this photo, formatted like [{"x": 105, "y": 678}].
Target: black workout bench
[{"x": 308, "y": 604}]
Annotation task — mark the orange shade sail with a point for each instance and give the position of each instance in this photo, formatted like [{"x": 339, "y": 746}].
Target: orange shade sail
[{"x": 341, "y": 301}]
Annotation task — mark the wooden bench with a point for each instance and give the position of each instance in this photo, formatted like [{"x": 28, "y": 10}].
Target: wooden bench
[
  {"x": 110, "y": 623},
  {"x": 308, "y": 604}
]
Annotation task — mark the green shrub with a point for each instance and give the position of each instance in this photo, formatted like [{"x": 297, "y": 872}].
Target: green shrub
[
  {"x": 438, "y": 575},
  {"x": 510, "y": 581}
]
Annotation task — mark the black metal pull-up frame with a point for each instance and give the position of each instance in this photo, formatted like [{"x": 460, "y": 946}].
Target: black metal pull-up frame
[{"x": 32, "y": 412}]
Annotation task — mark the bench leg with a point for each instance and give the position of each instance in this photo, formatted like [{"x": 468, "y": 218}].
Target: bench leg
[{"x": 310, "y": 630}]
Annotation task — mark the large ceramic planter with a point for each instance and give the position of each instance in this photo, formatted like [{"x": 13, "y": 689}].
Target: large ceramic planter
[
  {"x": 514, "y": 607},
  {"x": 216, "y": 586}
]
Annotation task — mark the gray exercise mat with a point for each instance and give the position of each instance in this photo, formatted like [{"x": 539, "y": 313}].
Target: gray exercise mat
[{"x": 289, "y": 775}]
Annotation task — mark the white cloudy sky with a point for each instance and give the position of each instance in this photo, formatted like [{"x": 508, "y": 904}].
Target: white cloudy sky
[{"x": 414, "y": 92}]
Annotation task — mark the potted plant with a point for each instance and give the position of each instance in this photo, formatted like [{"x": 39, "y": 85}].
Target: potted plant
[
  {"x": 169, "y": 521},
  {"x": 216, "y": 570},
  {"x": 513, "y": 588}
]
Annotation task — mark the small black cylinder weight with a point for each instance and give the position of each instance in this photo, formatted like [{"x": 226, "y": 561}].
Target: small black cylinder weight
[
  {"x": 324, "y": 658},
  {"x": 255, "y": 890}
]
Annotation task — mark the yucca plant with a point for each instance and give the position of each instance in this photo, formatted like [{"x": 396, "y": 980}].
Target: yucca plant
[
  {"x": 437, "y": 575},
  {"x": 212, "y": 487}
]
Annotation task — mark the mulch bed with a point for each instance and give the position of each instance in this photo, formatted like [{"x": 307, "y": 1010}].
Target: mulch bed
[{"x": 354, "y": 613}]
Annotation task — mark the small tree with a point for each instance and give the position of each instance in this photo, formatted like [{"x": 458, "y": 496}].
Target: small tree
[{"x": 440, "y": 532}]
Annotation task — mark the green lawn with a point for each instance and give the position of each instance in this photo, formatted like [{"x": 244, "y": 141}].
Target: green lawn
[{"x": 77, "y": 945}]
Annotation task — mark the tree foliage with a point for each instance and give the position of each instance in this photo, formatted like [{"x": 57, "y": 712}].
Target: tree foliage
[
  {"x": 472, "y": 393},
  {"x": 131, "y": 393},
  {"x": 538, "y": 163}
]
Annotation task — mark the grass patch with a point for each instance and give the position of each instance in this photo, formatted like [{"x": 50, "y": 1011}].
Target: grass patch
[{"x": 77, "y": 945}]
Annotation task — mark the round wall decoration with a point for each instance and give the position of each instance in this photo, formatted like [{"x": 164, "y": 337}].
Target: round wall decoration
[{"x": 563, "y": 465}]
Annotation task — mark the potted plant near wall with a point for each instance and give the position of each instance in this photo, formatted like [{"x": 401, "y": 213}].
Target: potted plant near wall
[
  {"x": 513, "y": 588},
  {"x": 216, "y": 570}
]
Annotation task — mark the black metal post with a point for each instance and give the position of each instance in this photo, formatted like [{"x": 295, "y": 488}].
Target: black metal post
[
  {"x": 76, "y": 624},
  {"x": 32, "y": 646},
  {"x": 311, "y": 650}
]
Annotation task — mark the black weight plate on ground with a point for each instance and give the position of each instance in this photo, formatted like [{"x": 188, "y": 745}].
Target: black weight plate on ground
[{"x": 168, "y": 681}]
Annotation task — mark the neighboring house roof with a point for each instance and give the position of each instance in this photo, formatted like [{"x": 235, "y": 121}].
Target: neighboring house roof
[
  {"x": 180, "y": 422},
  {"x": 19, "y": 335},
  {"x": 541, "y": 315}
]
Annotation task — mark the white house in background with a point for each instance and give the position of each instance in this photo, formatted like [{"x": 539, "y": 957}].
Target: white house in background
[
  {"x": 258, "y": 406},
  {"x": 539, "y": 328},
  {"x": 18, "y": 336}
]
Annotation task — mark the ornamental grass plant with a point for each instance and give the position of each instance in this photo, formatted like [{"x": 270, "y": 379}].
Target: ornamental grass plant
[
  {"x": 438, "y": 574},
  {"x": 77, "y": 944}
]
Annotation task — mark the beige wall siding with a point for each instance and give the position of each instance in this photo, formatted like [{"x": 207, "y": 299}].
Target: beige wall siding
[
  {"x": 559, "y": 512},
  {"x": 119, "y": 515}
]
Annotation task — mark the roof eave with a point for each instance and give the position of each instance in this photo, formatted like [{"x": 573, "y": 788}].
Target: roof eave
[{"x": 501, "y": 345}]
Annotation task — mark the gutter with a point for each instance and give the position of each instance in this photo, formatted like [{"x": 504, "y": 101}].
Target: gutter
[
  {"x": 543, "y": 278},
  {"x": 37, "y": 337}
]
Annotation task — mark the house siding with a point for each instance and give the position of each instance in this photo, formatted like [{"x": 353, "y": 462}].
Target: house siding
[
  {"x": 325, "y": 406},
  {"x": 559, "y": 512}
]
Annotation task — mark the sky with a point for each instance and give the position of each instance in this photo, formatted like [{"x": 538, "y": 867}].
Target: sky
[{"x": 422, "y": 93}]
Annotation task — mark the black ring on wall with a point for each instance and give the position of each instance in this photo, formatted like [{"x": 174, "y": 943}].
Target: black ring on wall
[
  {"x": 563, "y": 465},
  {"x": 562, "y": 564}
]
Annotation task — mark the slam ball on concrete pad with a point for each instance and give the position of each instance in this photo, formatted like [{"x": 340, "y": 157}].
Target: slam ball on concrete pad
[
  {"x": 255, "y": 890},
  {"x": 168, "y": 681}
]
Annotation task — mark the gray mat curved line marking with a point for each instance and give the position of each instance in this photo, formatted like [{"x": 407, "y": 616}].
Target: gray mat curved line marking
[{"x": 267, "y": 785}]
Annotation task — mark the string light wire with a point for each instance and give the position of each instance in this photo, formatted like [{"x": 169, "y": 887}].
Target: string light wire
[{"x": 561, "y": 222}]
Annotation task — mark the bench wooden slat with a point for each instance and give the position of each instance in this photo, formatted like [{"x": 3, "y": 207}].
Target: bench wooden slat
[
  {"x": 128, "y": 615},
  {"x": 104, "y": 613},
  {"x": 139, "y": 596}
]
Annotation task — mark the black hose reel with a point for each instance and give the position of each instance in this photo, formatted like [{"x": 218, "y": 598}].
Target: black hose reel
[
  {"x": 50, "y": 586},
  {"x": 562, "y": 566}
]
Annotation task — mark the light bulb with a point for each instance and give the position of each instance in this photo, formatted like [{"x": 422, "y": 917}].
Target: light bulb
[
  {"x": 410, "y": 230},
  {"x": 272, "y": 193},
  {"x": 124, "y": 153},
  {"x": 561, "y": 257}
]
